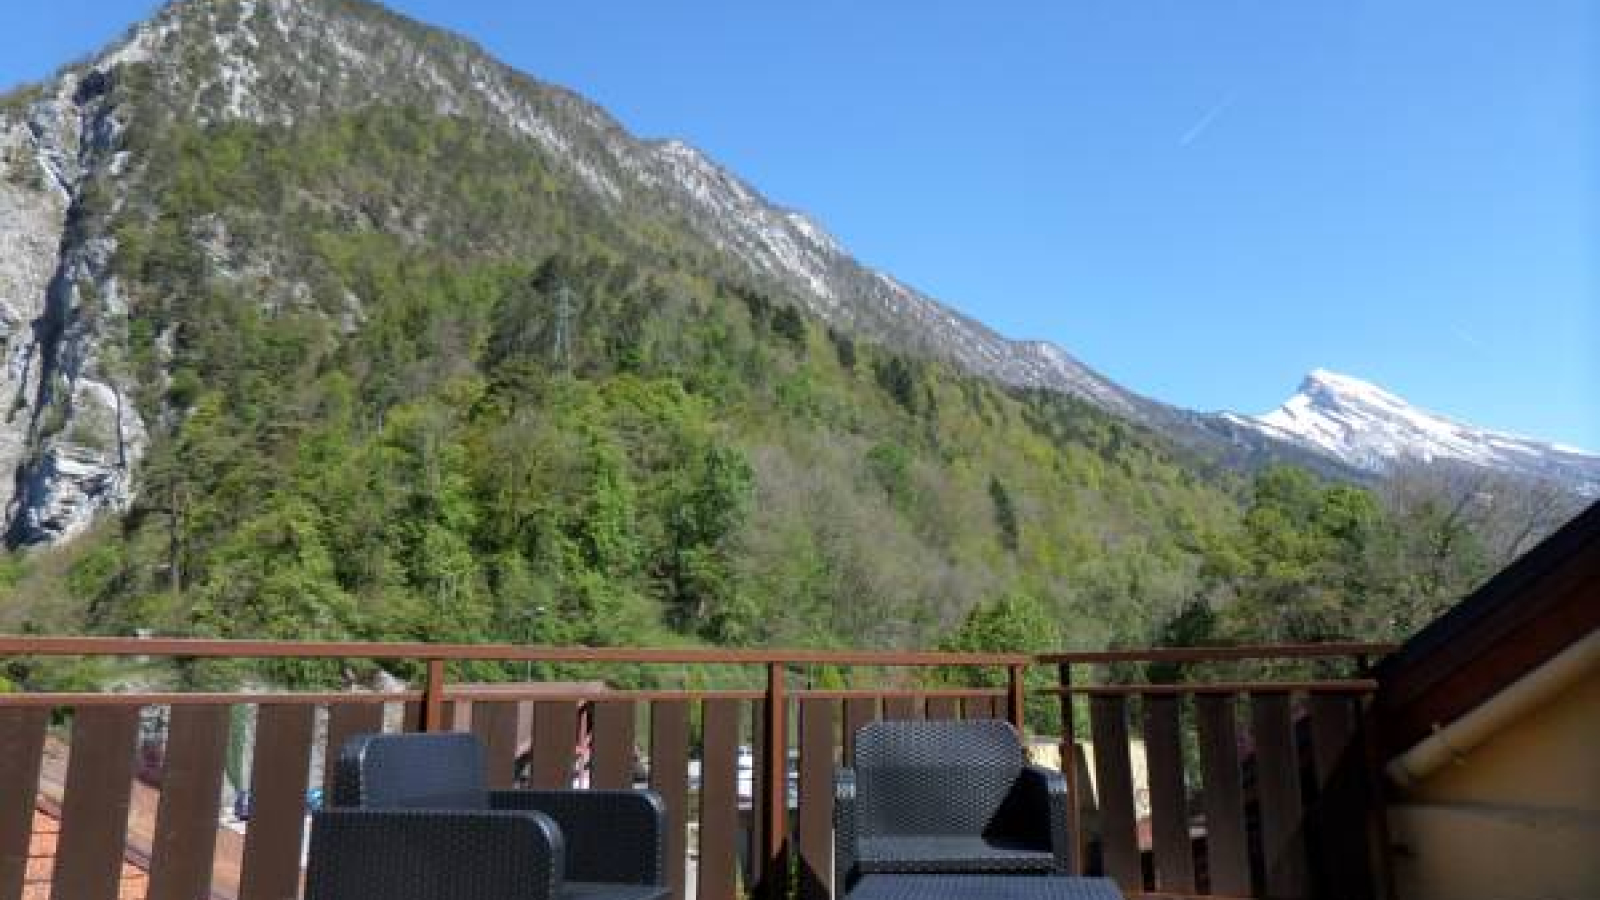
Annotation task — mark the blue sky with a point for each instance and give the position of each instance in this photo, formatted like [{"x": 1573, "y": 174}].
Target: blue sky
[{"x": 1202, "y": 200}]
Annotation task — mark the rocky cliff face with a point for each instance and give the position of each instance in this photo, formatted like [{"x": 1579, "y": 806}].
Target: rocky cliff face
[{"x": 69, "y": 434}]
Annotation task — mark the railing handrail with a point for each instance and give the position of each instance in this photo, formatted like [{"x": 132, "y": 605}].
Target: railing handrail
[
  {"x": 1327, "y": 686},
  {"x": 1222, "y": 653},
  {"x": 217, "y": 648},
  {"x": 364, "y": 697},
  {"x": 208, "y": 648},
  {"x": 787, "y": 704}
]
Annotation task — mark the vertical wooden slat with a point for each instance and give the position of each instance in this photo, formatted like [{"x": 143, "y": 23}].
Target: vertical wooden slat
[
  {"x": 555, "y": 730},
  {"x": 613, "y": 745},
  {"x": 669, "y": 777},
  {"x": 1108, "y": 723},
  {"x": 1017, "y": 697},
  {"x": 94, "y": 811},
  {"x": 719, "y": 800},
  {"x": 345, "y": 721},
  {"x": 1169, "y": 813},
  {"x": 1085, "y": 810},
  {"x": 902, "y": 706},
  {"x": 411, "y": 720},
  {"x": 495, "y": 724},
  {"x": 1341, "y": 859},
  {"x": 1227, "y": 854},
  {"x": 191, "y": 795},
  {"x": 774, "y": 763},
  {"x": 943, "y": 708},
  {"x": 1067, "y": 749},
  {"x": 975, "y": 707},
  {"x": 858, "y": 711},
  {"x": 1278, "y": 790},
  {"x": 818, "y": 726},
  {"x": 22, "y": 733},
  {"x": 750, "y": 823},
  {"x": 280, "y": 770},
  {"x": 433, "y": 718}
]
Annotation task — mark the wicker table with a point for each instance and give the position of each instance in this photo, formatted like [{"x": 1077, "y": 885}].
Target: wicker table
[{"x": 983, "y": 887}]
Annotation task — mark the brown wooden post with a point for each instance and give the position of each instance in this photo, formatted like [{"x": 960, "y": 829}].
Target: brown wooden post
[
  {"x": 775, "y": 866},
  {"x": 1283, "y": 835},
  {"x": 185, "y": 838},
  {"x": 94, "y": 809},
  {"x": 433, "y": 718},
  {"x": 719, "y": 800},
  {"x": 279, "y": 775},
  {"x": 1069, "y": 767},
  {"x": 1108, "y": 728},
  {"x": 1015, "y": 698},
  {"x": 669, "y": 777},
  {"x": 1227, "y": 845},
  {"x": 22, "y": 733},
  {"x": 818, "y": 721},
  {"x": 1169, "y": 815}
]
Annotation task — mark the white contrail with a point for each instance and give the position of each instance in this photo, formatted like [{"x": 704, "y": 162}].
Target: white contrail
[
  {"x": 1467, "y": 338},
  {"x": 1199, "y": 128}
]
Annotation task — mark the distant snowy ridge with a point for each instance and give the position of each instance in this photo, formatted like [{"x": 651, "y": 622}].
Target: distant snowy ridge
[{"x": 1369, "y": 428}]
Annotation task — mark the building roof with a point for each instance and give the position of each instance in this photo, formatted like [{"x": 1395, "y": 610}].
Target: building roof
[{"x": 1519, "y": 619}]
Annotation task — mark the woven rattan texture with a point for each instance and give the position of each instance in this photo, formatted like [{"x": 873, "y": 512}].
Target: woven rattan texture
[
  {"x": 433, "y": 855},
  {"x": 612, "y": 836},
  {"x": 933, "y": 778},
  {"x": 411, "y": 771},
  {"x": 947, "y": 797},
  {"x": 412, "y": 820},
  {"x": 984, "y": 887}
]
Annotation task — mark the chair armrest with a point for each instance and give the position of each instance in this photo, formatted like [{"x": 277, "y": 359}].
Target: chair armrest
[
  {"x": 1037, "y": 810},
  {"x": 415, "y": 854},
  {"x": 612, "y": 836},
  {"x": 844, "y": 829}
]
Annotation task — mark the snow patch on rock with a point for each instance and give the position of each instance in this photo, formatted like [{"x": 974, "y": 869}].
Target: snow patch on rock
[{"x": 1372, "y": 429}]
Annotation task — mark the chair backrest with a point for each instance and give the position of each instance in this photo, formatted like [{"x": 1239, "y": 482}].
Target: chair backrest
[
  {"x": 934, "y": 777},
  {"x": 411, "y": 771}
]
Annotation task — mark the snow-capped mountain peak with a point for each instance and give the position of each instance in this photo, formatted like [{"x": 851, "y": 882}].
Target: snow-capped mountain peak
[{"x": 1372, "y": 429}]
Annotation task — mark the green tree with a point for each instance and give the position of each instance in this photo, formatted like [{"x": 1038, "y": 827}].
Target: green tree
[
  {"x": 1012, "y": 623},
  {"x": 1005, "y": 514}
]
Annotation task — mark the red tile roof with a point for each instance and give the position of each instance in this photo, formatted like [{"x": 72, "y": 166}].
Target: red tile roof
[{"x": 42, "y": 861}]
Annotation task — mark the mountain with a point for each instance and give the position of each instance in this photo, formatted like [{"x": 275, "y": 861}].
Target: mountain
[
  {"x": 275, "y": 63},
  {"x": 1370, "y": 429},
  {"x": 319, "y": 322}
]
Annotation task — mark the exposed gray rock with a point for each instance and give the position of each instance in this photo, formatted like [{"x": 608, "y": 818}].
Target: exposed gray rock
[{"x": 68, "y": 436}]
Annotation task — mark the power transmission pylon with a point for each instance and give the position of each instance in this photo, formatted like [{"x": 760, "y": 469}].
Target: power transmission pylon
[{"x": 563, "y": 342}]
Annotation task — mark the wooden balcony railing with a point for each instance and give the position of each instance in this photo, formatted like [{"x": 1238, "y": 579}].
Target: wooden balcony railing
[{"x": 1277, "y": 802}]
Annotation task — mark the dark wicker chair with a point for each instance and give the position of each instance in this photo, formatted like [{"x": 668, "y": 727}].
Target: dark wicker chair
[
  {"x": 410, "y": 819},
  {"x": 947, "y": 797}
]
